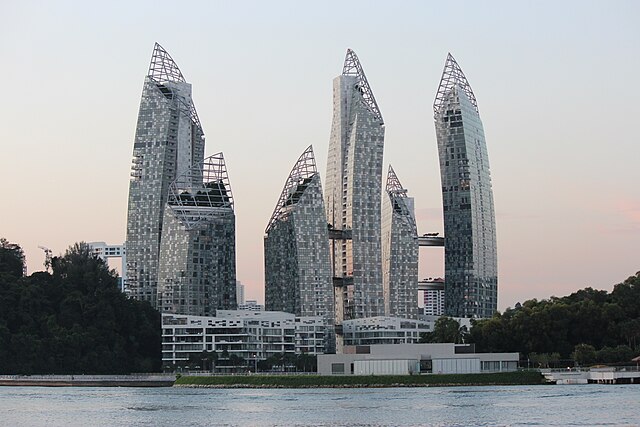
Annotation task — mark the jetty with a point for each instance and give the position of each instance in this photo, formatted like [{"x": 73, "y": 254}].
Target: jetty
[
  {"x": 594, "y": 375},
  {"x": 134, "y": 380}
]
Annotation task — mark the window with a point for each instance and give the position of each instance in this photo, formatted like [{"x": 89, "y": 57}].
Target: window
[{"x": 337, "y": 368}]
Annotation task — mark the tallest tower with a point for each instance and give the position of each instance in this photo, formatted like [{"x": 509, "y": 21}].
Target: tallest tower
[
  {"x": 169, "y": 142},
  {"x": 471, "y": 274},
  {"x": 353, "y": 194}
]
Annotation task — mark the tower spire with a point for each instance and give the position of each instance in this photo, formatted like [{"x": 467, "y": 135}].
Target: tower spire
[
  {"x": 352, "y": 67},
  {"x": 452, "y": 76}
]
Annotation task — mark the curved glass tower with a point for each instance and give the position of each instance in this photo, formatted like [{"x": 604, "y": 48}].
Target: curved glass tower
[
  {"x": 197, "y": 273},
  {"x": 471, "y": 273},
  {"x": 399, "y": 250},
  {"x": 353, "y": 194},
  {"x": 169, "y": 141},
  {"x": 296, "y": 248}
]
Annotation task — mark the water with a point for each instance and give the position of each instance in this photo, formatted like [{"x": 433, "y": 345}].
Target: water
[{"x": 580, "y": 405}]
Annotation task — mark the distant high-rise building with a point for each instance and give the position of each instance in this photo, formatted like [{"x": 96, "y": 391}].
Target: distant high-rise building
[
  {"x": 296, "y": 247},
  {"x": 239, "y": 292},
  {"x": 197, "y": 273},
  {"x": 434, "y": 297},
  {"x": 104, "y": 252},
  {"x": 353, "y": 194},
  {"x": 169, "y": 141},
  {"x": 399, "y": 251},
  {"x": 471, "y": 274}
]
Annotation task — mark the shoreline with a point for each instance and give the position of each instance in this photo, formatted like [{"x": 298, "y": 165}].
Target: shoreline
[
  {"x": 135, "y": 380},
  {"x": 352, "y": 381},
  {"x": 398, "y": 385}
]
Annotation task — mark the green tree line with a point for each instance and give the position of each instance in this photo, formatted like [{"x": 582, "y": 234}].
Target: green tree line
[
  {"x": 588, "y": 326},
  {"x": 72, "y": 320}
]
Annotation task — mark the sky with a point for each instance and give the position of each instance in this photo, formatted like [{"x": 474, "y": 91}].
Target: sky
[{"x": 556, "y": 84}]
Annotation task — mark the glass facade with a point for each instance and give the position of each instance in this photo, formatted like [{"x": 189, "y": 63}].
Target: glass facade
[
  {"x": 169, "y": 140},
  {"x": 471, "y": 277},
  {"x": 353, "y": 194},
  {"x": 197, "y": 273},
  {"x": 296, "y": 248},
  {"x": 399, "y": 251}
]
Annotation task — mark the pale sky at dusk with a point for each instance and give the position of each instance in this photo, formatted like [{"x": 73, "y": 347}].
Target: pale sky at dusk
[{"x": 556, "y": 84}]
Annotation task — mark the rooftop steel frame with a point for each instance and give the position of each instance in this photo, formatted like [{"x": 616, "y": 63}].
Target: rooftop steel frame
[
  {"x": 163, "y": 69},
  {"x": 398, "y": 194},
  {"x": 301, "y": 173},
  {"x": 452, "y": 76},
  {"x": 202, "y": 193},
  {"x": 352, "y": 67}
]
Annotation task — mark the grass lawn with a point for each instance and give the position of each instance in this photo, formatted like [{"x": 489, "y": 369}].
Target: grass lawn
[{"x": 312, "y": 381}]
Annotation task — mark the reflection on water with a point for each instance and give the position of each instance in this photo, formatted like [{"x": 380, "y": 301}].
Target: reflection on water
[{"x": 580, "y": 405}]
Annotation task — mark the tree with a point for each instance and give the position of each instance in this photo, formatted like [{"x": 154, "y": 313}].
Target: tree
[
  {"x": 12, "y": 259},
  {"x": 236, "y": 361},
  {"x": 558, "y": 325},
  {"x": 621, "y": 353},
  {"x": 584, "y": 354},
  {"x": 306, "y": 362},
  {"x": 445, "y": 330},
  {"x": 73, "y": 320}
]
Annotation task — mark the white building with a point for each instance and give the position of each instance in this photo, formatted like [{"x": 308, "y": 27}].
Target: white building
[
  {"x": 405, "y": 359},
  {"x": 433, "y": 297},
  {"x": 384, "y": 330},
  {"x": 391, "y": 330},
  {"x": 251, "y": 335},
  {"x": 251, "y": 305},
  {"x": 239, "y": 292},
  {"x": 104, "y": 252}
]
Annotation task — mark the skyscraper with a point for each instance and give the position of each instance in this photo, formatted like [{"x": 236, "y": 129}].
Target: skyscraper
[
  {"x": 169, "y": 141},
  {"x": 296, "y": 248},
  {"x": 399, "y": 251},
  {"x": 353, "y": 194},
  {"x": 471, "y": 273},
  {"x": 197, "y": 273}
]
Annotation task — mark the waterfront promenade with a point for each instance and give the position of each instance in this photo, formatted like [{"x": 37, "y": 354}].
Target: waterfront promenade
[
  {"x": 603, "y": 375},
  {"x": 134, "y": 380}
]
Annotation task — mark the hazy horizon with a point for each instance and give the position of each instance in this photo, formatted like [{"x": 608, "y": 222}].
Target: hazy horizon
[{"x": 555, "y": 84}]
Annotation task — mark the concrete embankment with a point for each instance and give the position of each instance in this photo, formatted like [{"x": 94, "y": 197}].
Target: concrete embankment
[{"x": 150, "y": 380}]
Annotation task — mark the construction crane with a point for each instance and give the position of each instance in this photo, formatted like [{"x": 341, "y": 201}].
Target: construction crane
[{"x": 47, "y": 257}]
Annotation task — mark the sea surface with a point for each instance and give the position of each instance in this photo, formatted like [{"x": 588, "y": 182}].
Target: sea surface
[{"x": 550, "y": 405}]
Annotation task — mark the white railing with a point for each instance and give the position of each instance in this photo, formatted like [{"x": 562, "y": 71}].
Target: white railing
[{"x": 593, "y": 368}]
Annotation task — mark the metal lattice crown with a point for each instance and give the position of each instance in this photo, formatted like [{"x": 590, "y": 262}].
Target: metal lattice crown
[
  {"x": 398, "y": 195},
  {"x": 299, "y": 178},
  {"x": 202, "y": 191},
  {"x": 452, "y": 77},
  {"x": 352, "y": 67},
  {"x": 393, "y": 184},
  {"x": 163, "y": 68}
]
